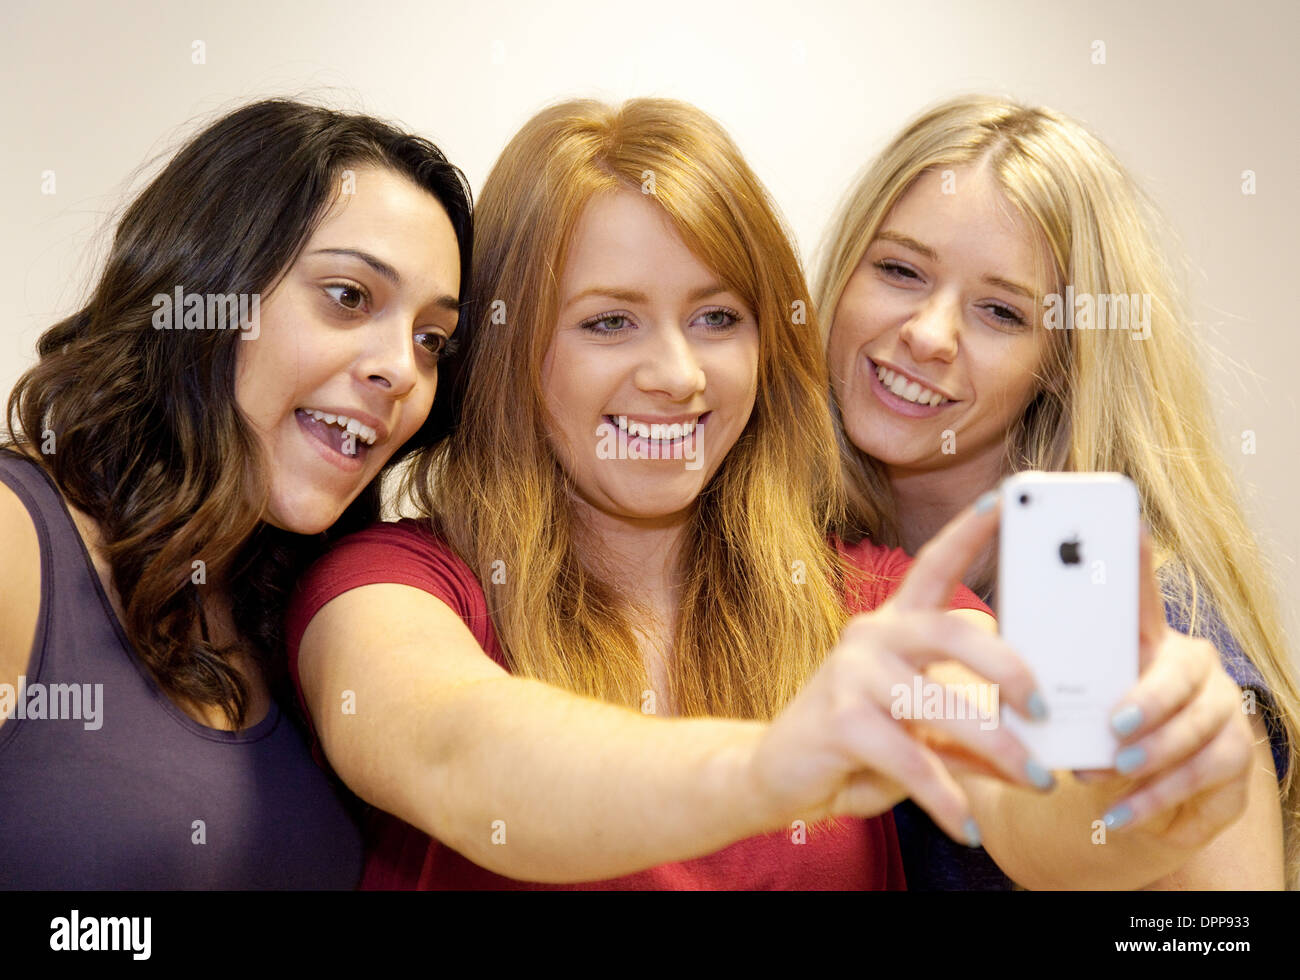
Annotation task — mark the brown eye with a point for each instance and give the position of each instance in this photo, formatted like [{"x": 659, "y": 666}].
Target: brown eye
[
  {"x": 350, "y": 297},
  {"x": 436, "y": 344}
]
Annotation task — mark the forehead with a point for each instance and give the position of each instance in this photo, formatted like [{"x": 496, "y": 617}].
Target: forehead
[
  {"x": 388, "y": 215},
  {"x": 377, "y": 200},
  {"x": 963, "y": 215},
  {"x": 627, "y": 235}
]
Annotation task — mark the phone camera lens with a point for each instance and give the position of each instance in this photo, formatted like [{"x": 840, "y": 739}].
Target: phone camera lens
[{"x": 1024, "y": 500}]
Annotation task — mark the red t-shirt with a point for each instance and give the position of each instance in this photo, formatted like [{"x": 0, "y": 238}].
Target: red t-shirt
[{"x": 857, "y": 854}]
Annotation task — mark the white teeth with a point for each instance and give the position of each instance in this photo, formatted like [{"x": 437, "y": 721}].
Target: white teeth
[
  {"x": 911, "y": 391},
  {"x": 363, "y": 432},
  {"x": 657, "y": 431}
]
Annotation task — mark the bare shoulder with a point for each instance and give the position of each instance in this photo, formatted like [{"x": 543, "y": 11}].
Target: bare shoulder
[{"x": 20, "y": 585}]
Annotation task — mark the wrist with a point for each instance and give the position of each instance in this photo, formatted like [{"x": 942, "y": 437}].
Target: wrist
[{"x": 731, "y": 777}]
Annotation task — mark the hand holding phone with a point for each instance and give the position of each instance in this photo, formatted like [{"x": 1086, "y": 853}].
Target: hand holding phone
[{"x": 1067, "y": 603}]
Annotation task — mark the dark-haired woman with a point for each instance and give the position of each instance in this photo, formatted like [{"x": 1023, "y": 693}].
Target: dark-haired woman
[{"x": 264, "y": 343}]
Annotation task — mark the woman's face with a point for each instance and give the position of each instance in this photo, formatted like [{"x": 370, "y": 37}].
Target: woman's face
[
  {"x": 935, "y": 341},
  {"x": 652, "y": 371},
  {"x": 344, "y": 368}
]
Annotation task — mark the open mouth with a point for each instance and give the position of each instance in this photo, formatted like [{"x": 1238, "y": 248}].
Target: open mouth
[
  {"x": 669, "y": 434},
  {"x": 905, "y": 395},
  {"x": 349, "y": 440}
]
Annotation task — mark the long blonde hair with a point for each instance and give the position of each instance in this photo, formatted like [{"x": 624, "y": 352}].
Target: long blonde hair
[
  {"x": 1106, "y": 400},
  {"x": 760, "y": 604}
]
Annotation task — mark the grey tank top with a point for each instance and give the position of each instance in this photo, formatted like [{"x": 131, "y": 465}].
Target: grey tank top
[{"x": 107, "y": 784}]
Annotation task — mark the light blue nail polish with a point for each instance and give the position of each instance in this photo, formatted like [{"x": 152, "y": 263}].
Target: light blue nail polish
[
  {"x": 987, "y": 502},
  {"x": 1037, "y": 706},
  {"x": 1119, "y": 816},
  {"x": 972, "y": 832},
  {"x": 1130, "y": 758},
  {"x": 1126, "y": 720},
  {"x": 1038, "y": 775}
]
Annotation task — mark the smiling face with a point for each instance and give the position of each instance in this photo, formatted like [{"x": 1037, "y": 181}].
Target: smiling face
[
  {"x": 344, "y": 368},
  {"x": 937, "y": 329},
  {"x": 647, "y": 339}
]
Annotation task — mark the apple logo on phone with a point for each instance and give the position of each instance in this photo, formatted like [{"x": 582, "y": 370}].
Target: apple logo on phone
[{"x": 1070, "y": 551}]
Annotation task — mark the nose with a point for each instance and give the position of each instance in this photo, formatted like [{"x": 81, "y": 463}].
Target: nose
[
  {"x": 931, "y": 334},
  {"x": 388, "y": 357},
  {"x": 670, "y": 365}
]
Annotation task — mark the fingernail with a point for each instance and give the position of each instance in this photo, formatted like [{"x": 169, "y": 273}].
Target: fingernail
[
  {"x": 1038, "y": 775},
  {"x": 987, "y": 502},
  {"x": 1119, "y": 816},
  {"x": 1130, "y": 758},
  {"x": 972, "y": 832},
  {"x": 1037, "y": 706},
  {"x": 1126, "y": 719}
]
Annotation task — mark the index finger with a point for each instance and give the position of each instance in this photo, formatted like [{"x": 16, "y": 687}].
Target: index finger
[{"x": 941, "y": 562}]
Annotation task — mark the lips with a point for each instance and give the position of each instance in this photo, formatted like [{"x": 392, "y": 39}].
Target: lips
[
  {"x": 899, "y": 402},
  {"x": 658, "y": 429},
  {"x": 344, "y": 449}
]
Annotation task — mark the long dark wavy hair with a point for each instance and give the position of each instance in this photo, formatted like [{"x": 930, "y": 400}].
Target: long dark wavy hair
[{"x": 147, "y": 435}]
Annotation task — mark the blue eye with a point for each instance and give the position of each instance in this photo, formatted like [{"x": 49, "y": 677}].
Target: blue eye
[
  {"x": 594, "y": 324},
  {"x": 719, "y": 319}
]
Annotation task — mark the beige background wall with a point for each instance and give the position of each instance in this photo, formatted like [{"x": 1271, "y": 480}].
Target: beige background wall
[{"x": 1190, "y": 95}]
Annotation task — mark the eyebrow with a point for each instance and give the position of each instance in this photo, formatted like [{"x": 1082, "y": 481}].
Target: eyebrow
[
  {"x": 933, "y": 256},
  {"x": 445, "y": 301},
  {"x": 633, "y": 296}
]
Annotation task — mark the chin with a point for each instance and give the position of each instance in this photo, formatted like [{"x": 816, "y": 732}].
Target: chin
[{"x": 302, "y": 517}]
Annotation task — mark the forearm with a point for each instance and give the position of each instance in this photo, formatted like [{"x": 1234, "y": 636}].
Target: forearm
[
  {"x": 536, "y": 783},
  {"x": 1056, "y": 841}
]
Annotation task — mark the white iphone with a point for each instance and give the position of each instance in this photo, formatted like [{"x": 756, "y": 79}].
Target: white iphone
[{"x": 1067, "y": 603}]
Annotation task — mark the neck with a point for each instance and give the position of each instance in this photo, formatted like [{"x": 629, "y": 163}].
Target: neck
[
  {"x": 927, "y": 499},
  {"x": 639, "y": 557}
]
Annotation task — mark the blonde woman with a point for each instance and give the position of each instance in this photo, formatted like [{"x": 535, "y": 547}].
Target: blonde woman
[
  {"x": 960, "y": 350},
  {"x": 621, "y": 656}
]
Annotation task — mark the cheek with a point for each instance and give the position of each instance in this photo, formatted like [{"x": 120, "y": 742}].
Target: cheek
[
  {"x": 732, "y": 372},
  {"x": 857, "y": 322},
  {"x": 272, "y": 370},
  {"x": 1009, "y": 381},
  {"x": 253, "y": 395},
  {"x": 1027, "y": 363},
  {"x": 571, "y": 385}
]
